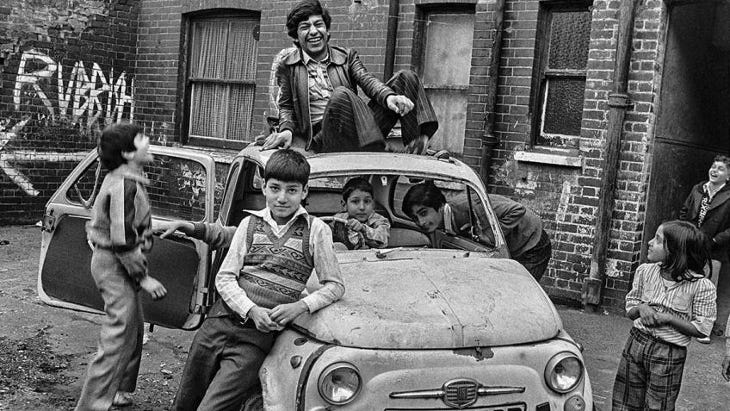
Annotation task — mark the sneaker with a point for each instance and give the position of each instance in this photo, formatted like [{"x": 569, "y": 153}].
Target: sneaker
[
  {"x": 122, "y": 399},
  {"x": 704, "y": 340}
]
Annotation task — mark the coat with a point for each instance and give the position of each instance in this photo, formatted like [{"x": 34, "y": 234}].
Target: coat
[
  {"x": 345, "y": 69},
  {"x": 716, "y": 225}
]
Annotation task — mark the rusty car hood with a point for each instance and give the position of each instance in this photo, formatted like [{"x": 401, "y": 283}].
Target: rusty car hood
[{"x": 433, "y": 299}]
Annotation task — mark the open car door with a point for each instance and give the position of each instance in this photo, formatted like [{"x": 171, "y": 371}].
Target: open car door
[{"x": 182, "y": 187}]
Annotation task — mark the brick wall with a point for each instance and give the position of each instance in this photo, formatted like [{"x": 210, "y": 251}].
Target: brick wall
[
  {"x": 108, "y": 34},
  {"x": 567, "y": 198},
  {"x": 161, "y": 39},
  {"x": 66, "y": 70}
]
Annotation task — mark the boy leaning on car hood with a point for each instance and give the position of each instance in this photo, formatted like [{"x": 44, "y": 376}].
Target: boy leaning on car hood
[{"x": 272, "y": 255}]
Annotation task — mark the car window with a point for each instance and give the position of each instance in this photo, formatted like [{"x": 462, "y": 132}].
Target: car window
[
  {"x": 177, "y": 187},
  {"x": 468, "y": 208}
]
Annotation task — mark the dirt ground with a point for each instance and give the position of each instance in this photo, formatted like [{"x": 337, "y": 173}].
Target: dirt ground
[{"x": 44, "y": 351}]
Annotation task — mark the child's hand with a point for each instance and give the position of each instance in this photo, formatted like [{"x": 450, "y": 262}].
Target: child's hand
[
  {"x": 285, "y": 313},
  {"x": 167, "y": 227},
  {"x": 663, "y": 318},
  {"x": 261, "y": 317},
  {"x": 153, "y": 287},
  {"x": 354, "y": 225},
  {"x": 648, "y": 315},
  {"x": 726, "y": 368}
]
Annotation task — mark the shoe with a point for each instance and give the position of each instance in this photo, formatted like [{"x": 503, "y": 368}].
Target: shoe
[
  {"x": 122, "y": 399},
  {"x": 418, "y": 146},
  {"x": 704, "y": 340}
]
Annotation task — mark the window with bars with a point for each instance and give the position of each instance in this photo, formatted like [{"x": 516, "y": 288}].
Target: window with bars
[
  {"x": 562, "y": 57},
  {"x": 221, "y": 77}
]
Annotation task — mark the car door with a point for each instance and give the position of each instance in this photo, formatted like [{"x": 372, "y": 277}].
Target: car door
[{"x": 182, "y": 187}]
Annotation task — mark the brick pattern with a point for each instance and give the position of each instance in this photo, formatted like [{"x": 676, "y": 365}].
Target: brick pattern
[
  {"x": 567, "y": 199},
  {"x": 146, "y": 39},
  {"x": 44, "y": 131}
]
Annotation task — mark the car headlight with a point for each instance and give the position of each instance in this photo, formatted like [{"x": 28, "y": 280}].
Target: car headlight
[
  {"x": 563, "y": 372},
  {"x": 339, "y": 383}
]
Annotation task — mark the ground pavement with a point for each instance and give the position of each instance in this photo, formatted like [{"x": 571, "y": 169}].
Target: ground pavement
[{"x": 44, "y": 351}]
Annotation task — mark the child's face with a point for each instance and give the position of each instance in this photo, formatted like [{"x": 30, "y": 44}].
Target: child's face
[
  {"x": 718, "y": 173},
  {"x": 283, "y": 198},
  {"x": 360, "y": 205},
  {"x": 141, "y": 155},
  {"x": 428, "y": 219},
  {"x": 657, "y": 252}
]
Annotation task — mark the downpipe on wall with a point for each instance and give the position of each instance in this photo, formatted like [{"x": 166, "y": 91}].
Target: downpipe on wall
[{"x": 618, "y": 102}]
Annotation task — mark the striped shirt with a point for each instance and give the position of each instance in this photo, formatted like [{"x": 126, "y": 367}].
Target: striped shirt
[
  {"x": 326, "y": 266},
  {"x": 121, "y": 218},
  {"x": 709, "y": 192},
  {"x": 320, "y": 87},
  {"x": 692, "y": 301}
]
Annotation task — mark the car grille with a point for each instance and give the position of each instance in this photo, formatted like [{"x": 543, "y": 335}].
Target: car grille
[{"x": 502, "y": 407}]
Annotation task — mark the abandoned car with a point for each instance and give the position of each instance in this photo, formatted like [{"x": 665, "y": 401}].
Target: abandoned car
[{"x": 432, "y": 322}]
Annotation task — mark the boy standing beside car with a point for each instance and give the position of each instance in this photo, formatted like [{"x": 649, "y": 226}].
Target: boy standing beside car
[
  {"x": 271, "y": 257},
  {"x": 119, "y": 231}
]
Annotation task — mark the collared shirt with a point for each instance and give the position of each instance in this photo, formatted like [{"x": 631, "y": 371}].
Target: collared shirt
[
  {"x": 320, "y": 88},
  {"x": 327, "y": 269},
  {"x": 708, "y": 188},
  {"x": 693, "y": 301},
  {"x": 376, "y": 230}
]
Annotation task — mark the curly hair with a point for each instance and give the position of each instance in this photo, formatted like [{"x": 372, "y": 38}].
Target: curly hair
[{"x": 301, "y": 12}]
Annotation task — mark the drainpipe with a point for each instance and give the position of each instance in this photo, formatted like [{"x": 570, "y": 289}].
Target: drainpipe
[
  {"x": 391, "y": 36},
  {"x": 490, "y": 140},
  {"x": 618, "y": 103}
]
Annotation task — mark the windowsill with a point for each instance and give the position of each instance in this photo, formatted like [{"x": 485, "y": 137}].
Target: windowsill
[
  {"x": 217, "y": 143},
  {"x": 554, "y": 156}
]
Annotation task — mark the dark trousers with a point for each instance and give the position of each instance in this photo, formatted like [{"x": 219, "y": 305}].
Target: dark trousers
[
  {"x": 222, "y": 368},
  {"x": 351, "y": 125},
  {"x": 537, "y": 258},
  {"x": 116, "y": 364},
  {"x": 649, "y": 374}
]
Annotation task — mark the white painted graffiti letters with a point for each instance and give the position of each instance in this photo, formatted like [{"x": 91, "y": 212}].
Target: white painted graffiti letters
[{"x": 83, "y": 99}]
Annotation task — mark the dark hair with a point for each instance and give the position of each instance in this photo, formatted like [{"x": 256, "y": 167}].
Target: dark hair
[
  {"x": 687, "y": 249},
  {"x": 302, "y": 11},
  {"x": 722, "y": 159},
  {"x": 426, "y": 194},
  {"x": 287, "y": 165},
  {"x": 356, "y": 183},
  {"x": 114, "y": 140}
]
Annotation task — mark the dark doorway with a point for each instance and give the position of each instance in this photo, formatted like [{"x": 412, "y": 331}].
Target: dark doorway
[{"x": 693, "y": 123}]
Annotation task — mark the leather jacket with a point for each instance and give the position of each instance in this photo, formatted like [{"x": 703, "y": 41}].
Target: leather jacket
[{"x": 345, "y": 69}]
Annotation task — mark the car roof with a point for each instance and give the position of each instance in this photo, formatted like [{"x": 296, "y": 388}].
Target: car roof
[{"x": 356, "y": 163}]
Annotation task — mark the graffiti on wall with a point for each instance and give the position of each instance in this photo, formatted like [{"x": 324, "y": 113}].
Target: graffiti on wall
[
  {"x": 8, "y": 158},
  {"x": 86, "y": 97}
]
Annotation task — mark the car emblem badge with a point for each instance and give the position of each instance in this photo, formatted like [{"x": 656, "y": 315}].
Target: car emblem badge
[{"x": 460, "y": 393}]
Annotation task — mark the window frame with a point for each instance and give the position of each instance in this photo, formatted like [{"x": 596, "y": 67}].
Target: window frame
[
  {"x": 541, "y": 73},
  {"x": 186, "y": 83}
]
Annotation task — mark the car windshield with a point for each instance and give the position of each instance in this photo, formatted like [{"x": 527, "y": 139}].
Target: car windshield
[{"x": 464, "y": 223}]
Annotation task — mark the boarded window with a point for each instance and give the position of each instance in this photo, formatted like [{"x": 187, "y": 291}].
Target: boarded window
[
  {"x": 446, "y": 65},
  {"x": 222, "y": 77},
  {"x": 562, "y": 45}
]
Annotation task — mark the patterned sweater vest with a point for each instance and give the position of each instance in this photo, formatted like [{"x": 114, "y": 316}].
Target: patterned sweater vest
[{"x": 275, "y": 270}]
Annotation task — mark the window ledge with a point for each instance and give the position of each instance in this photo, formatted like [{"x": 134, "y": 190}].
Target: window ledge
[{"x": 561, "y": 158}]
